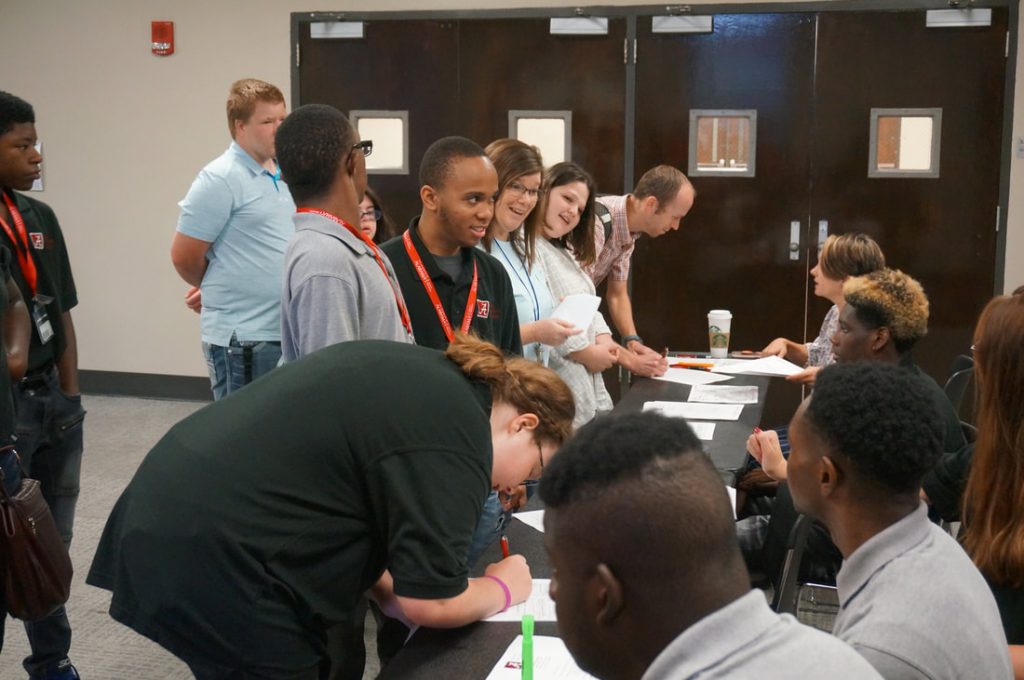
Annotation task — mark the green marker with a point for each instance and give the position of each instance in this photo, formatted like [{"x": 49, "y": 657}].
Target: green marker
[{"x": 528, "y": 647}]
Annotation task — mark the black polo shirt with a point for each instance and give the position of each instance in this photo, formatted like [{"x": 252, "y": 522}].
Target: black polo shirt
[
  {"x": 6, "y": 398},
  {"x": 496, "y": 318},
  {"x": 54, "y": 279},
  {"x": 261, "y": 519}
]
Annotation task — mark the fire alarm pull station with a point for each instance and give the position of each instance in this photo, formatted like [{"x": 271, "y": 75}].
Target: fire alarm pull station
[{"x": 163, "y": 38}]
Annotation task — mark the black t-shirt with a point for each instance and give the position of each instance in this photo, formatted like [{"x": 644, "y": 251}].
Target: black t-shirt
[
  {"x": 53, "y": 271},
  {"x": 262, "y": 518},
  {"x": 496, "y": 319},
  {"x": 7, "y": 422}
]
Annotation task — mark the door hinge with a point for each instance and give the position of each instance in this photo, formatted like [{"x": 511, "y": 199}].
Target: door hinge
[
  {"x": 1007, "y": 54},
  {"x": 298, "y": 59},
  {"x": 625, "y": 51},
  {"x": 636, "y": 55},
  {"x": 999, "y": 215}
]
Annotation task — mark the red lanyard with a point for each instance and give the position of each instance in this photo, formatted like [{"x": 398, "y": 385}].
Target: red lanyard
[
  {"x": 402, "y": 312},
  {"x": 28, "y": 265},
  {"x": 421, "y": 270}
]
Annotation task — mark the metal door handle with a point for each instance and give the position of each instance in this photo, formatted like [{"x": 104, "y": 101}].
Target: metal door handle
[
  {"x": 794, "y": 240},
  {"x": 822, "y": 234}
]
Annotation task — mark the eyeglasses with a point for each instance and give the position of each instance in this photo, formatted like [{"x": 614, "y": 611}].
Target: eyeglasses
[
  {"x": 375, "y": 214},
  {"x": 366, "y": 146},
  {"x": 517, "y": 190},
  {"x": 534, "y": 482}
]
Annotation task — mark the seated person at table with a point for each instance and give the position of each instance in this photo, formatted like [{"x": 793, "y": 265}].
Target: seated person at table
[
  {"x": 910, "y": 600},
  {"x": 259, "y": 521},
  {"x": 842, "y": 256},
  {"x": 993, "y": 531},
  {"x": 647, "y": 577},
  {"x": 886, "y": 313}
]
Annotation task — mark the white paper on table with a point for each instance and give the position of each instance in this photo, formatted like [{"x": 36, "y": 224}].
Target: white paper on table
[
  {"x": 689, "y": 376},
  {"x": 732, "y": 499},
  {"x": 578, "y": 309},
  {"x": 773, "y": 365},
  {"x": 724, "y": 394},
  {"x": 704, "y": 431},
  {"x": 551, "y": 661},
  {"x": 539, "y": 603},
  {"x": 531, "y": 518},
  {"x": 691, "y": 411}
]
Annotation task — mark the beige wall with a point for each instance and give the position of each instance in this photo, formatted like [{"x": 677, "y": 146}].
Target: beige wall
[{"x": 124, "y": 133}]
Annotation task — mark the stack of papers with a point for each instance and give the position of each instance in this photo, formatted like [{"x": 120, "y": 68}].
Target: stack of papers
[
  {"x": 692, "y": 411},
  {"x": 551, "y": 661},
  {"x": 539, "y": 603},
  {"x": 773, "y": 366},
  {"x": 724, "y": 394},
  {"x": 577, "y": 309},
  {"x": 689, "y": 376}
]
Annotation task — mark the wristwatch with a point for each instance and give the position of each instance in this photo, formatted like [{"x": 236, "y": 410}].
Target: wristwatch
[{"x": 626, "y": 339}]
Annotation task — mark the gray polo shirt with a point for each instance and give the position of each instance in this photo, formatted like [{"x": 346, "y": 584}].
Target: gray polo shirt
[
  {"x": 334, "y": 290},
  {"x": 746, "y": 639},
  {"x": 913, "y": 604}
]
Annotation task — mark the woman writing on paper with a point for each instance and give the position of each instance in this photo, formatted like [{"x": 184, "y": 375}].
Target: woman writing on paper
[
  {"x": 565, "y": 219},
  {"x": 259, "y": 521},
  {"x": 511, "y": 238}
]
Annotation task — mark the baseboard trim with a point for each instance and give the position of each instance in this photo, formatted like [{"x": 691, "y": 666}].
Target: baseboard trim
[{"x": 146, "y": 385}]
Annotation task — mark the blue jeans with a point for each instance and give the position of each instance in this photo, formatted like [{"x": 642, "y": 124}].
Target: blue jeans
[
  {"x": 242, "y": 361},
  {"x": 49, "y": 442},
  {"x": 488, "y": 528}
]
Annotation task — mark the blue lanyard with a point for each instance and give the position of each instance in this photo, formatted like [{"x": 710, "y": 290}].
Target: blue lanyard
[
  {"x": 527, "y": 283},
  {"x": 275, "y": 176}
]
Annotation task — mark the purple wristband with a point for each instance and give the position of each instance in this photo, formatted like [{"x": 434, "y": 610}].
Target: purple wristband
[{"x": 504, "y": 588}]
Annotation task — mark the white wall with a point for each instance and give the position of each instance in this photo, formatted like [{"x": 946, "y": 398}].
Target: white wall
[{"x": 125, "y": 132}]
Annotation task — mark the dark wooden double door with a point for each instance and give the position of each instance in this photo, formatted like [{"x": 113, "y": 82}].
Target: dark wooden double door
[{"x": 811, "y": 77}]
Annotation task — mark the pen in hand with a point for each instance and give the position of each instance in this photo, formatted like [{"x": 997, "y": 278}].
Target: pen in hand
[{"x": 504, "y": 546}]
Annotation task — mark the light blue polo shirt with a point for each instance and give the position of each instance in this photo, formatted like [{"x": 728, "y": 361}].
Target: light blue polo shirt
[{"x": 245, "y": 212}]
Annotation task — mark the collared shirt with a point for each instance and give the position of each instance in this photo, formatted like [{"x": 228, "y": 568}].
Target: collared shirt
[
  {"x": 495, "y": 319},
  {"x": 913, "y": 604},
  {"x": 746, "y": 639},
  {"x": 245, "y": 213},
  {"x": 53, "y": 268},
  {"x": 530, "y": 288},
  {"x": 334, "y": 290},
  {"x": 819, "y": 350},
  {"x": 612, "y": 256}
]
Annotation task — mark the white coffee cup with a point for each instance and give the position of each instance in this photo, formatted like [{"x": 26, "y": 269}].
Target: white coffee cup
[{"x": 719, "y": 323}]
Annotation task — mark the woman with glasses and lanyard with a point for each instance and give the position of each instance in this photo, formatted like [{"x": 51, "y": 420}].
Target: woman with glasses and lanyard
[
  {"x": 260, "y": 520},
  {"x": 511, "y": 239}
]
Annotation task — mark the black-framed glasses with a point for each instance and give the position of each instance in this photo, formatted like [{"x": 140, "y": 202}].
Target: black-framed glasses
[
  {"x": 375, "y": 213},
  {"x": 516, "y": 189},
  {"x": 366, "y": 146},
  {"x": 528, "y": 483}
]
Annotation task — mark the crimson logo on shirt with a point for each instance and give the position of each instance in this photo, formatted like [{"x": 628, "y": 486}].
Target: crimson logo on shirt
[
  {"x": 483, "y": 308},
  {"x": 37, "y": 240}
]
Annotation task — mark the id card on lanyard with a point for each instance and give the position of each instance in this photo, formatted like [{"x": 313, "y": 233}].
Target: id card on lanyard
[
  {"x": 28, "y": 270},
  {"x": 428, "y": 285}
]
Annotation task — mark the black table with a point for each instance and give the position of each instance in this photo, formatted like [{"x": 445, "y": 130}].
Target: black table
[{"x": 471, "y": 651}]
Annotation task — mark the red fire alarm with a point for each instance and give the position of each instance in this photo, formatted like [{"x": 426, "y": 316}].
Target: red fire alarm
[{"x": 163, "y": 38}]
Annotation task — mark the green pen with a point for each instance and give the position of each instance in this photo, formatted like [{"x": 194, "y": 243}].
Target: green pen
[{"x": 528, "y": 647}]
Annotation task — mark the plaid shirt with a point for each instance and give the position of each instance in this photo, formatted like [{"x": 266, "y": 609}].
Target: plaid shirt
[{"x": 613, "y": 256}]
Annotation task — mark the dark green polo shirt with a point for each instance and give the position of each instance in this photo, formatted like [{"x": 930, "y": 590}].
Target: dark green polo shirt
[
  {"x": 262, "y": 518},
  {"x": 496, "y": 318},
  {"x": 54, "y": 279}
]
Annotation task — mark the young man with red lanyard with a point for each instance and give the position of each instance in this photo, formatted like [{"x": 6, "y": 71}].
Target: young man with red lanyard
[
  {"x": 447, "y": 281},
  {"x": 47, "y": 400},
  {"x": 338, "y": 286}
]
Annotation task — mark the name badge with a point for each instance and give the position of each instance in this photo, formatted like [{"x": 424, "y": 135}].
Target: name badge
[{"x": 41, "y": 319}]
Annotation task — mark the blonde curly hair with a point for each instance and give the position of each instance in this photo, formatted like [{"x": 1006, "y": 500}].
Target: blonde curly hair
[{"x": 890, "y": 298}]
